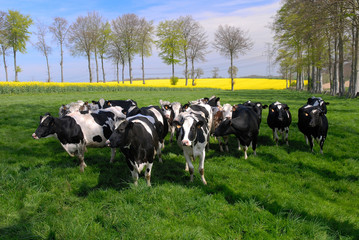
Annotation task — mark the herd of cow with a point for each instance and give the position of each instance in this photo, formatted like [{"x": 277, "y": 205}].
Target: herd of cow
[{"x": 140, "y": 132}]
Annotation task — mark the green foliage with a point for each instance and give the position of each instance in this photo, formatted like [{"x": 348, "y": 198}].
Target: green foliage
[
  {"x": 284, "y": 192},
  {"x": 173, "y": 80},
  {"x": 17, "y": 28},
  {"x": 169, "y": 41}
]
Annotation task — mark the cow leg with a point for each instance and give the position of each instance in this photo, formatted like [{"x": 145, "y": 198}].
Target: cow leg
[
  {"x": 245, "y": 148},
  {"x": 220, "y": 144},
  {"x": 159, "y": 153},
  {"x": 113, "y": 154},
  {"x": 225, "y": 138},
  {"x": 239, "y": 144},
  {"x": 201, "y": 166},
  {"x": 254, "y": 145},
  {"x": 134, "y": 174},
  {"x": 306, "y": 139},
  {"x": 172, "y": 133},
  {"x": 81, "y": 156},
  {"x": 148, "y": 173},
  {"x": 310, "y": 139},
  {"x": 189, "y": 165},
  {"x": 321, "y": 144},
  {"x": 286, "y": 135},
  {"x": 275, "y": 136}
]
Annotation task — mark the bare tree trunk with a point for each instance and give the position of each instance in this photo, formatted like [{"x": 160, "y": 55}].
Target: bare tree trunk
[
  {"x": 5, "y": 66},
  {"x": 186, "y": 67},
  {"x": 62, "y": 64},
  {"x": 192, "y": 63},
  {"x": 96, "y": 62},
  {"x": 341, "y": 66},
  {"x": 330, "y": 65},
  {"x": 103, "y": 70},
  {"x": 173, "y": 67},
  {"x": 319, "y": 85},
  {"x": 313, "y": 80},
  {"x": 89, "y": 66},
  {"x": 143, "y": 68},
  {"x": 232, "y": 81},
  {"x": 15, "y": 67},
  {"x": 117, "y": 72},
  {"x": 130, "y": 68},
  {"x": 123, "y": 73},
  {"x": 335, "y": 69},
  {"x": 286, "y": 78},
  {"x": 356, "y": 77},
  {"x": 48, "y": 68},
  {"x": 290, "y": 77}
]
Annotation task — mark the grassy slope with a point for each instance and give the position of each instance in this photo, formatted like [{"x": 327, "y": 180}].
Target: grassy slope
[{"x": 284, "y": 192}]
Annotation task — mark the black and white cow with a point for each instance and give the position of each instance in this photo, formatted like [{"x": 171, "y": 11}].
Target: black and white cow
[
  {"x": 279, "y": 118},
  {"x": 77, "y": 131},
  {"x": 313, "y": 123},
  {"x": 127, "y": 105},
  {"x": 193, "y": 136},
  {"x": 244, "y": 125},
  {"x": 171, "y": 111},
  {"x": 318, "y": 101},
  {"x": 257, "y": 107},
  {"x": 138, "y": 140},
  {"x": 161, "y": 123}
]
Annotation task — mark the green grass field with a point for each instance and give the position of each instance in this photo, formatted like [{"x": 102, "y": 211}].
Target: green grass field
[{"x": 284, "y": 192}]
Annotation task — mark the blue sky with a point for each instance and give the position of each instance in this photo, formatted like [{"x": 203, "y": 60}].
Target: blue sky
[{"x": 253, "y": 16}]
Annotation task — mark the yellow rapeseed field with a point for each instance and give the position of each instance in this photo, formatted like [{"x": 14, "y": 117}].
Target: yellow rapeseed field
[{"x": 220, "y": 83}]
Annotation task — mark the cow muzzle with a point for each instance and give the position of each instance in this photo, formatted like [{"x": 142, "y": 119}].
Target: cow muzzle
[
  {"x": 186, "y": 143},
  {"x": 108, "y": 143},
  {"x": 34, "y": 136}
]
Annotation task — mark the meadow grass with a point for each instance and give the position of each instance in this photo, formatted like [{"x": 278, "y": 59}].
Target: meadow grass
[{"x": 284, "y": 192}]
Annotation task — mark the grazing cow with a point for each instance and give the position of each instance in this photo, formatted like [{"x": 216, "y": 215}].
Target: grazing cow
[
  {"x": 192, "y": 138},
  {"x": 77, "y": 131},
  {"x": 244, "y": 125},
  {"x": 138, "y": 140},
  {"x": 161, "y": 124},
  {"x": 313, "y": 123},
  {"x": 318, "y": 101},
  {"x": 279, "y": 119},
  {"x": 79, "y": 106},
  {"x": 171, "y": 111}
]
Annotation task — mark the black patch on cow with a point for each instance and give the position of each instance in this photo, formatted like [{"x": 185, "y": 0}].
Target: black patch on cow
[
  {"x": 200, "y": 136},
  {"x": 102, "y": 117},
  {"x": 107, "y": 131},
  {"x": 97, "y": 138}
]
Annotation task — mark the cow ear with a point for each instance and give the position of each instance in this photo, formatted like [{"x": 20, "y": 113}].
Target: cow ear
[
  {"x": 265, "y": 106},
  {"x": 177, "y": 124},
  {"x": 234, "y": 108},
  {"x": 124, "y": 111},
  {"x": 160, "y": 101},
  {"x": 326, "y": 103}
]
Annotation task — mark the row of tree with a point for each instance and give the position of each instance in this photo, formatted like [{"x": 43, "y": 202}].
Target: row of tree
[
  {"x": 314, "y": 37},
  {"x": 182, "y": 40}
]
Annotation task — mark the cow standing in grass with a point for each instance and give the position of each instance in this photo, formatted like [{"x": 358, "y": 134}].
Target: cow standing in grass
[
  {"x": 77, "y": 131},
  {"x": 193, "y": 136},
  {"x": 171, "y": 111},
  {"x": 313, "y": 123},
  {"x": 279, "y": 119},
  {"x": 138, "y": 140}
]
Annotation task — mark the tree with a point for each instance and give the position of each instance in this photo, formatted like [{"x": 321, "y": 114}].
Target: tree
[
  {"x": 231, "y": 41},
  {"x": 215, "y": 72},
  {"x": 232, "y": 71},
  {"x": 59, "y": 29},
  {"x": 103, "y": 44},
  {"x": 18, "y": 34},
  {"x": 42, "y": 45},
  {"x": 145, "y": 41},
  {"x": 169, "y": 42},
  {"x": 117, "y": 53},
  {"x": 4, "y": 40},
  {"x": 81, "y": 39},
  {"x": 95, "y": 34},
  {"x": 127, "y": 29}
]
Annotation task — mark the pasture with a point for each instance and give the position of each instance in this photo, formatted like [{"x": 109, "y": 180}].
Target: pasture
[{"x": 284, "y": 192}]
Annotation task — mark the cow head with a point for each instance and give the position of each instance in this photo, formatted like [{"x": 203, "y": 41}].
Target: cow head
[
  {"x": 256, "y": 106},
  {"x": 278, "y": 111},
  {"x": 119, "y": 137},
  {"x": 214, "y": 101},
  {"x": 166, "y": 108},
  {"x": 223, "y": 128},
  {"x": 46, "y": 127},
  {"x": 188, "y": 127},
  {"x": 318, "y": 101},
  {"x": 227, "y": 111},
  {"x": 310, "y": 115}
]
